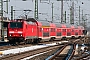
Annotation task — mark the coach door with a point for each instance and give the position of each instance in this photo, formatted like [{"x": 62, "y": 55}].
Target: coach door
[
  {"x": 63, "y": 32},
  {"x": 59, "y": 32},
  {"x": 68, "y": 32},
  {"x": 45, "y": 33},
  {"x": 73, "y": 32},
  {"x": 76, "y": 32}
]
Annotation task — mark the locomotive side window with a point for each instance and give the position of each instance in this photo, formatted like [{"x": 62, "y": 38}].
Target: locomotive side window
[{"x": 16, "y": 24}]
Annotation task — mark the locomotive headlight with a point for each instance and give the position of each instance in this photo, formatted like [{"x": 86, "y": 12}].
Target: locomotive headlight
[
  {"x": 10, "y": 34},
  {"x": 21, "y": 34}
]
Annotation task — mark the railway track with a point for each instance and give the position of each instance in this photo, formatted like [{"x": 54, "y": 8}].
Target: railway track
[
  {"x": 84, "y": 56},
  {"x": 7, "y": 47},
  {"x": 13, "y": 47},
  {"x": 61, "y": 54},
  {"x": 22, "y": 55}
]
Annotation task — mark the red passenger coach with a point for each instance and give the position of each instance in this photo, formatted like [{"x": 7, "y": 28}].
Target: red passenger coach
[
  {"x": 46, "y": 30},
  {"x": 61, "y": 31}
]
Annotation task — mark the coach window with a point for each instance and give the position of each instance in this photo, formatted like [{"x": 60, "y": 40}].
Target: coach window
[
  {"x": 72, "y": 30},
  {"x": 52, "y": 29},
  {"x": 79, "y": 30},
  {"x": 64, "y": 30}
]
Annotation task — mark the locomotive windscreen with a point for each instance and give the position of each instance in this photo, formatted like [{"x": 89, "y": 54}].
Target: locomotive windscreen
[{"x": 16, "y": 24}]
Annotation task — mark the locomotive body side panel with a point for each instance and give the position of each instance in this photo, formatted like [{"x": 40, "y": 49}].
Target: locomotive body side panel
[{"x": 31, "y": 31}]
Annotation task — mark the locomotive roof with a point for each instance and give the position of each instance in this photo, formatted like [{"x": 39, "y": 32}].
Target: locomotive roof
[
  {"x": 39, "y": 22},
  {"x": 31, "y": 19}
]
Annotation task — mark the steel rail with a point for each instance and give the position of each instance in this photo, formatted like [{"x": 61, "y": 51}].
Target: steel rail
[
  {"x": 57, "y": 53},
  {"x": 71, "y": 52},
  {"x": 22, "y": 55},
  {"x": 82, "y": 57},
  {"x": 67, "y": 57}
]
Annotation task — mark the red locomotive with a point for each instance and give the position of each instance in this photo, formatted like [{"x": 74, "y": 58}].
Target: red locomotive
[{"x": 33, "y": 31}]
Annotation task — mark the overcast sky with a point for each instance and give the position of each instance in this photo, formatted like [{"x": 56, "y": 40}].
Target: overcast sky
[{"x": 46, "y": 9}]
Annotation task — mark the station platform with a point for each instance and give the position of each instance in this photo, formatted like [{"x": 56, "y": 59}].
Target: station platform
[{"x": 3, "y": 42}]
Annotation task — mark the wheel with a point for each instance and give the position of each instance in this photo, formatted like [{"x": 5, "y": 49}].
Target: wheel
[
  {"x": 51, "y": 39},
  {"x": 25, "y": 41}
]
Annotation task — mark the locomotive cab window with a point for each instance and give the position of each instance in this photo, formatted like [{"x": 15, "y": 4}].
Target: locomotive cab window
[{"x": 16, "y": 24}]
